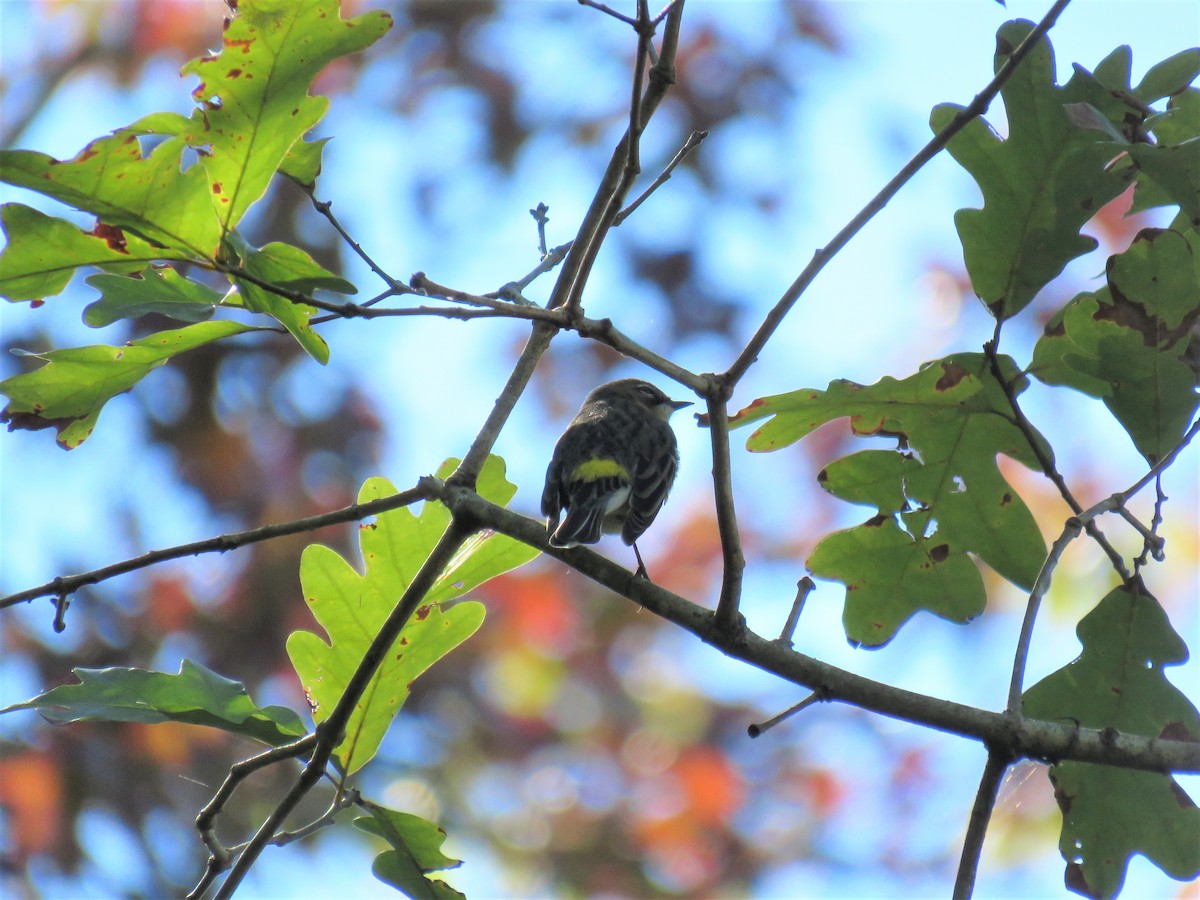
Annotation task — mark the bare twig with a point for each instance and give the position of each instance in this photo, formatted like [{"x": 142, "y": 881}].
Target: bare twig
[
  {"x": 991, "y": 352},
  {"x": 341, "y": 310},
  {"x": 662, "y": 13},
  {"x": 427, "y": 287},
  {"x": 472, "y": 463},
  {"x": 219, "y": 855},
  {"x": 615, "y": 183},
  {"x": 1070, "y": 531},
  {"x": 981, "y": 814},
  {"x": 512, "y": 290},
  {"x": 509, "y": 311},
  {"x": 694, "y": 140},
  {"x": 763, "y": 727},
  {"x": 605, "y": 332},
  {"x": 540, "y": 216},
  {"x": 804, "y": 587},
  {"x": 822, "y": 257},
  {"x": 324, "y": 208},
  {"x": 608, "y": 11},
  {"x": 645, "y": 31},
  {"x": 65, "y": 585}
]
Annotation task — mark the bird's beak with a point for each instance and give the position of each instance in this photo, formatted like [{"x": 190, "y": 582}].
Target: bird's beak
[{"x": 674, "y": 406}]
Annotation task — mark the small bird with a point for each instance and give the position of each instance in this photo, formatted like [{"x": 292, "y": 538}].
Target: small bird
[{"x": 613, "y": 466}]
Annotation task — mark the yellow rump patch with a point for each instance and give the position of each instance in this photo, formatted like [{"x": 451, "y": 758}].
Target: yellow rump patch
[{"x": 595, "y": 469}]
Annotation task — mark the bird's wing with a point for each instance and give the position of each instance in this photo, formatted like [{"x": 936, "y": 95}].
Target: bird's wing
[{"x": 652, "y": 478}]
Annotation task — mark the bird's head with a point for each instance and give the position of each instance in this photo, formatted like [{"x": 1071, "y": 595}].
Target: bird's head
[{"x": 641, "y": 393}]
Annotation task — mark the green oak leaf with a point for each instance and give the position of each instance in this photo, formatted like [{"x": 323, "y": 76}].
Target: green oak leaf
[
  {"x": 1109, "y": 814},
  {"x": 42, "y": 252},
  {"x": 194, "y": 696},
  {"x": 147, "y": 195},
  {"x": 1040, "y": 184},
  {"x": 350, "y": 607},
  {"x": 416, "y": 850},
  {"x": 303, "y": 162},
  {"x": 945, "y": 491},
  {"x": 68, "y": 392},
  {"x": 290, "y": 268},
  {"x": 253, "y": 95},
  {"x": 1172, "y": 175},
  {"x": 1128, "y": 342},
  {"x": 890, "y": 574},
  {"x": 159, "y": 290},
  {"x": 1169, "y": 77}
]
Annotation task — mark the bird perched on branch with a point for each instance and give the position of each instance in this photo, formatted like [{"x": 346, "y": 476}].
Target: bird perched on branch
[{"x": 613, "y": 466}]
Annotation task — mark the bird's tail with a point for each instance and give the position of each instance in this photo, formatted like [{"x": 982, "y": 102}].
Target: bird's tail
[{"x": 581, "y": 525}]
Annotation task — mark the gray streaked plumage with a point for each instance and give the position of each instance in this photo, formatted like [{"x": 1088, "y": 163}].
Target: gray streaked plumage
[{"x": 613, "y": 467}]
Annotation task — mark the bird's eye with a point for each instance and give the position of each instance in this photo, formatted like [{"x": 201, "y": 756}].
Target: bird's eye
[{"x": 648, "y": 392}]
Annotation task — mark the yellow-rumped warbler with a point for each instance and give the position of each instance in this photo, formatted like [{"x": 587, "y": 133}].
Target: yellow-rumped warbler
[{"x": 613, "y": 466}]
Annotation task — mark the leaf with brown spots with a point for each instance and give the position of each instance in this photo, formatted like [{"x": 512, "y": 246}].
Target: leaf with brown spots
[
  {"x": 1118, "y": 682},
  {"x": 68, "y": 392},
  {"x": 254, "y": 98},
  {"x": 1128, "y": 343},
  {"x": 43, "y": 252},
  {"x": 941, "y": 484}
]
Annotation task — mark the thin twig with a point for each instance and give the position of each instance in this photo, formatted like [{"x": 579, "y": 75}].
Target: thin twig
[
  {"x": 756, "y": 730},
  {"x": 1071, "y": 530},
  {"x": 510, "y": 311},
  {"x": 219, "y": 855},
  {"x": 427, "y": 287},
  {"x": 991, "y": 352},
  {"x": 342, "y": 310},
  {"x": 981, "y": 814},
  {"x": 615, "y": 183},
  {"x": 472, "y": 463},
  {"x": 324, "y": 208},
  {"x": 512, "y": 290},
  {"x": 822, "y": 257},
  {"x": 645, "y": 31},
  {"x": 727, "y": 617},
  {"x": 662, "y": 13},
  {"x": 540, "y": 216},
  {"x": 68, "y": 584},
  {"x": 603, "y": 331},
  {"x": 608, "y": 11},
  {"x": 694, "y": 140},
  {"x": 804, "y": 587}
]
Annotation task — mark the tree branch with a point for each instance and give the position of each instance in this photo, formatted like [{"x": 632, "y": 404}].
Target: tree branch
[
  {"x": 991, "y": 351},
  {"x": 727, "y": 617},
  {"x": 1022, "y": 737},
  {"x": 66, "y": 585}
]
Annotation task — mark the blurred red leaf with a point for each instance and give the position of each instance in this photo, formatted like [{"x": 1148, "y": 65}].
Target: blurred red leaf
[{"x": 31, "y": 795}]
